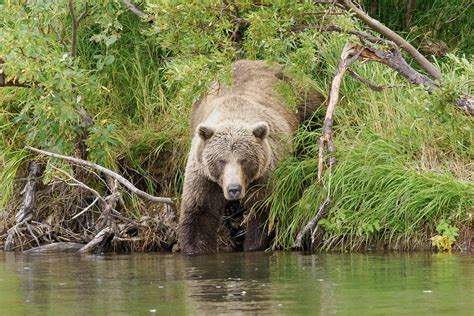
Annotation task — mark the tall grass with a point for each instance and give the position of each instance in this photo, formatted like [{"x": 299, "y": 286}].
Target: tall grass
[
  {"x": 404, "y": 158},
  {"x": 449, "y": 20},
  {"x": 402, "y": 167}
]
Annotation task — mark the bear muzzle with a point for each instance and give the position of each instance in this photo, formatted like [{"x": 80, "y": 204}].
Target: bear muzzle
[
  {"x": 234, "y": 192},
  {"x": 233, "y": 182}
]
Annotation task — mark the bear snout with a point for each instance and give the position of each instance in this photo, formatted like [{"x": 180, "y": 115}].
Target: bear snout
[{"x": 234, "y": 191}]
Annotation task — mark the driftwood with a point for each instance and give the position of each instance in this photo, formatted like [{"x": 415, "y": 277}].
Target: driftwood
[
  {"x": 98, "y": 243},
  {"x": 326, "y": 143},
  {"x": 25, "y": 212},
  {"x": 108, "y": 172},
  {"x": 110, "y": 235},
  {"x": 56, "y": 247}
]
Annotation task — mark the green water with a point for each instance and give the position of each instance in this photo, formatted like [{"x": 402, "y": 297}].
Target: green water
[{"x": 237, "y": 283}]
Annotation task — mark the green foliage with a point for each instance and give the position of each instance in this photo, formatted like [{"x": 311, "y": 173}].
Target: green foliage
[
  {"x": 447, "y": 20},
  {"x": 404, "y": 157},
  {"x": 447, "y": 236}
]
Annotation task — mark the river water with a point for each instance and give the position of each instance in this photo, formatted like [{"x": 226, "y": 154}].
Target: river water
[{"x": 237, "y": 283}]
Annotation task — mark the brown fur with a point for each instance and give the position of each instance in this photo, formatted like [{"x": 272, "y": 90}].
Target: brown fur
[{"x": 240, "y": 134}]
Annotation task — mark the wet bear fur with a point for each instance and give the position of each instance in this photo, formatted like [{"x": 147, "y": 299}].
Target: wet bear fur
[{"x": 240, "y": 134}]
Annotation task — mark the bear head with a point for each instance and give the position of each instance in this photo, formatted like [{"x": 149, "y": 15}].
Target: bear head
[{"x": 234, "y": 156}]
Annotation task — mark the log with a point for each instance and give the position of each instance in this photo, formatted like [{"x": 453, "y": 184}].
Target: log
[
  {"x": 56, "y": 247},
  {"x": 96, "y": 245}
]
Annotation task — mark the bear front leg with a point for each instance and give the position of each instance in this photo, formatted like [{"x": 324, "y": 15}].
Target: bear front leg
[
  {"x": 257, "y": 236},
  {"x": 201, "y": 208}
]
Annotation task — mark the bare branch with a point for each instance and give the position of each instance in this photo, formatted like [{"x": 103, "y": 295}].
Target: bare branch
[
  {"x": 98, "y": 240},
  {"x": 370, "y": 84},
  {"x": 391, "y": 35},
  {"x": 394, "y": 59},
  {"x": 348, "y": 56},
  {"x": 108, "y": 172},
  {"x": 334, "y": 28},
  {"x": 133, "y": 9}
]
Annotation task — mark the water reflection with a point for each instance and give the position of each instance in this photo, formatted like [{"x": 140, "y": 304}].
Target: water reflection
[{"x": 236, "y": 283}]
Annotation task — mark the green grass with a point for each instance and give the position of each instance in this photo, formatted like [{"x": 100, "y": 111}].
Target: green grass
[
  {"x": 405, "y": 161},
  {"x": 404, "y": 157}
]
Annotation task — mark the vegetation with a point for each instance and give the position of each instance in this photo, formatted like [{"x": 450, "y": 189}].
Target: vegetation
[{"x": 404, "y": 157}]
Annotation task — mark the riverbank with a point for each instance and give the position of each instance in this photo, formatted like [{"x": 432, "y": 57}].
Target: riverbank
[{"x": 404, "y": 171}]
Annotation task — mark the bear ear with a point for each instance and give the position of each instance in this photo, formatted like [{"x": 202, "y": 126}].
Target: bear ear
[
  {"x": 260, "y": 130},
  {"x": 205, "y": 132}
]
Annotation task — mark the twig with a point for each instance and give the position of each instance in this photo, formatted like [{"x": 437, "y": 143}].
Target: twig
[
  {"x": 81, "y": 185},
  {"x": 391, "y": 35},
  {"x": 133, "y": 9},
  {"x": 85, "y": 209},
  {"x": 370, "y": 84},
  {"x": 108, "y": 172},
  {"x": 348, "y": 56},
  {"x": 335, "y": 28}
]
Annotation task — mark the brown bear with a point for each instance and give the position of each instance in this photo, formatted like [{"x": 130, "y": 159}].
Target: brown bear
[{"x": 241, "y": 133}]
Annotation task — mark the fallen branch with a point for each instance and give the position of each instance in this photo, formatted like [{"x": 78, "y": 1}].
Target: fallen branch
[
  {"x": 98, "y": 242},
  {"x": 391, "y": 35},
  {"x": 133, "y": 9},
  {"x": 108, "y": 172},
  {"x": 311, "y": 226},
  {"x": 370, "y": 84},
  {"x": 56, "y": 247},
  {"x": 392, "y": 58},
  {"x": 348, "y": 56},
  {"x": 25, "y": 212}
]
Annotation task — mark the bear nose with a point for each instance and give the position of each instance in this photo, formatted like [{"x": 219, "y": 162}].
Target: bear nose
[{"x": 234, "y": 191}]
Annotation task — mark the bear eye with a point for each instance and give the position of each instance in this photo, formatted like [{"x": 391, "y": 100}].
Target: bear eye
[
  {"x": 244, "y": 161},
  {"x": 221, "y": 162}
]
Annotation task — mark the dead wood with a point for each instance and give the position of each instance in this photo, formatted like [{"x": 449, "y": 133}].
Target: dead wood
[
  {"x": 326, "y": 145},
  {"x": 56, "y": 247},
  {"x": 108, "y": 172},
  {"x": 25, "y": 212},
  {"x": 370, "y": 84},
  {"x": 391, "y": 35},
  {"x": 393, "y": 58},
  {"x": 131, "y": 7},
  {"x": 99, "y": 243}
]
